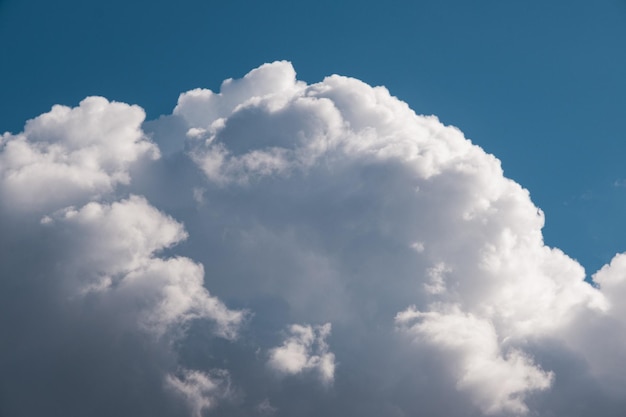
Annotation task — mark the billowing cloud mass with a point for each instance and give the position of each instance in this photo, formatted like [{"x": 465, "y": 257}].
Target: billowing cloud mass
[{"x": 195, "y": 265}]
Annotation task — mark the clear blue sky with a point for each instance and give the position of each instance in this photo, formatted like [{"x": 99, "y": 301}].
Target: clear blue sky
[{"x": 542, "y": 85}]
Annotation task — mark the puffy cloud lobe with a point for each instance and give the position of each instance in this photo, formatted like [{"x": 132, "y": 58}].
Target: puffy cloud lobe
[
  {"x": 601, "y": 339},
  {"x": 202, "y": 107},
  {"x": 325, "y": 203},
  {"x": 118, "y": 243},
  {"x": 612, "y": 281},
  {"x": 107, "y": 267},
  {"x": 305, "y": 349},
  {"x": 67, "y": 155},
  {"x": 498, "y": 381}
]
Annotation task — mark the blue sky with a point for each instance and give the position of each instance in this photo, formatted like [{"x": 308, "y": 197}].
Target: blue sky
[
  {"x": 289, "y": 245},
  {"x": 538, "y": 84}
]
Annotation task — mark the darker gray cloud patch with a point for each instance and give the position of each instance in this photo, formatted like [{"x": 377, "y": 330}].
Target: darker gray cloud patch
[{"x": 62, "y": 356}]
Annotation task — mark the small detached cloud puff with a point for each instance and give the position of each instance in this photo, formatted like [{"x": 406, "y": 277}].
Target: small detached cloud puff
[{"x": 305, "y": 349}]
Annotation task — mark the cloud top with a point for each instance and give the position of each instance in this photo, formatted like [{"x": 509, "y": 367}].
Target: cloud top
[{"x": 67, "y": 155}]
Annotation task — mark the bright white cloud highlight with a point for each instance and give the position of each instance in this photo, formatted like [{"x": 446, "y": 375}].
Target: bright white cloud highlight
[
  {"x": 69, "y": 154},
  {"x": 118, "y": 244},
  {"x": 497, "y": 380}
]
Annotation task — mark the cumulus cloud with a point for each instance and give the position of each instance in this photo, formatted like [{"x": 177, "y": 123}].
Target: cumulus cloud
[
  {"x": 305, "y": 349},
  {"x": 497, "y": 381},
  {"x": 67, "y": 155},
  {"x": 81, "y": 264},
  {"x": 179, "y": 278}
]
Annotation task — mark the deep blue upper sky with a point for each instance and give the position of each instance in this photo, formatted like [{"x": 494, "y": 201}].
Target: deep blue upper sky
[{"x": 542, "y": 85}]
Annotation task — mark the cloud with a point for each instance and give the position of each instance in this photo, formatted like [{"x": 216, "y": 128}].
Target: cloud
[
  {"x": 169, "y": 260},
  {"x": 84, "y": 270},
  {"x": 497, "y": 381},
  {"x": 201, "y": 390},
  {"x": 115, "y": 260},
  {"x": 202, "y": 107},
  {"x": 67, "y": 155},
  {"x": 305, "y": 349}
]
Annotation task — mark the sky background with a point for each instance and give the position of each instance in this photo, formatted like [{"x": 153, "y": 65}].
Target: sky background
[
  {"x": 539, "y": 84},
  {"x": 295, "y": 245}
]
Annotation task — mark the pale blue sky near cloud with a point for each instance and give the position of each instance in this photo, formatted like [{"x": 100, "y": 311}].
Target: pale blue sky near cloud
[{"x": 539, "y": 84}]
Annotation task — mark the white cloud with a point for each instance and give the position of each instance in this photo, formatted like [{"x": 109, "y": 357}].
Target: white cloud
[
  {"x": 68, "y": 155},
  {"x": 272, "y": 82},
  {"x": 497, "y": 380},
  {"x": 96, "y": 256},
  {"x": 201, "y": 390},
  {"x": 324, "y": 203},
  {"x": 480, "y": 245},
  {"x": 305, "y": 349},
  {"x": 115, "y": 257},
  {"x": 601, "y": 338}
]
